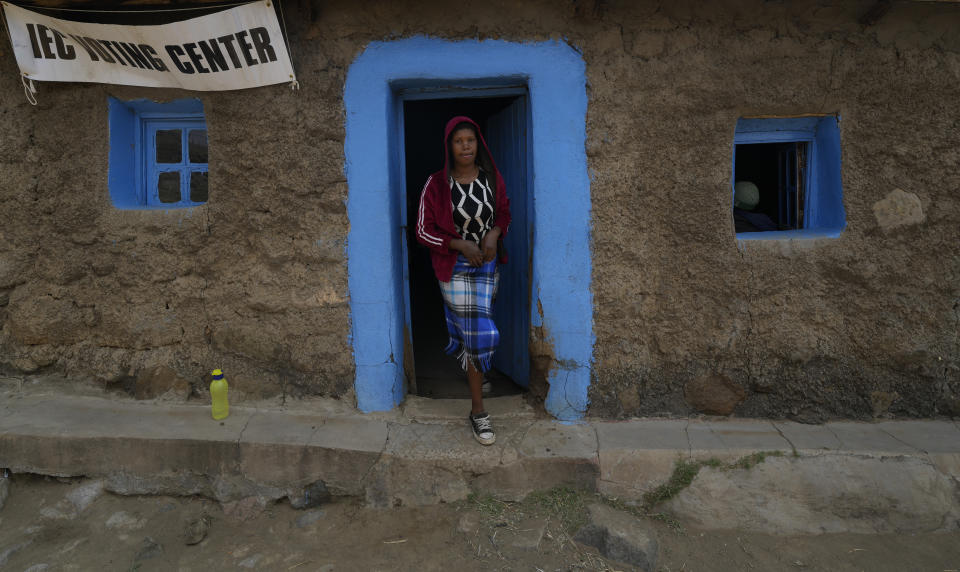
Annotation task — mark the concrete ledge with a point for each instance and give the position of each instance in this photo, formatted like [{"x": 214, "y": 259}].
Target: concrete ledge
[{"x": 425, "y": 454}]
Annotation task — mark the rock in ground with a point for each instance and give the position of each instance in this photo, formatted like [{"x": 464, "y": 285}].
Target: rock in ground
[
  {"x": 251, "y": 562},
  {"x": 196, "y": 530},
  {"x": 150, "y": 548},
  {"x": 620, "y": 536},
  {"x": 244, "y": 509},
  {"x": 309, "y": 517},
  {"x": 313, "y": 495},
  {"x": 84, "y": 495},
  {"x": 469, "y": 523},
  {"x": 529, "y": 534},
  {"x": 828, "y": 493},
  {"x": 123, "y": 520},
  {"x": 6, "y": 553}
]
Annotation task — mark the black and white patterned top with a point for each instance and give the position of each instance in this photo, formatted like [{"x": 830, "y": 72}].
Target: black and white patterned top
[{"x": 473, "y": 207}]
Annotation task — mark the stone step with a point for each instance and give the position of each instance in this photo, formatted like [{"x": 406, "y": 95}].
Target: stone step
[{"x": 424, "y": 454}]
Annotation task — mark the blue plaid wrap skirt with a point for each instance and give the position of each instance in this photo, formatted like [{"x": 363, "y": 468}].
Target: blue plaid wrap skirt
[{"x": 468, "y": 305}]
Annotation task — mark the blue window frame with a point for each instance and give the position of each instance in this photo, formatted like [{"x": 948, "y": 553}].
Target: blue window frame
[
  {"x": 175, "y": 161},
  {"x": 795, "y": 164},
  {"x": 158, "y": 154}
]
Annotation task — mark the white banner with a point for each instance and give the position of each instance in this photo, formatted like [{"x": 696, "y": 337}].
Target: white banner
[{"x": 231, "y": 49}]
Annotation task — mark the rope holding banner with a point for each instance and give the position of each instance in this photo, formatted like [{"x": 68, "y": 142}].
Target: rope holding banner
[
  {"x": 294, "y": 85},
  {"x": 29, "y": 89}
]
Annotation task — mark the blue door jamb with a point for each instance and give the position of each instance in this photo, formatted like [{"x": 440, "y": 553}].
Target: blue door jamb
[
  {"x": 399, "y": 164},
  {"x": 508, "y": 133}
]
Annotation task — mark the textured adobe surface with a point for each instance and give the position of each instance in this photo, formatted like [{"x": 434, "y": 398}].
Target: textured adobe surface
[{"x": 255, "y": 281}]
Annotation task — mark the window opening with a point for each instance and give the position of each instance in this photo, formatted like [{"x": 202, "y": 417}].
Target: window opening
[
  {"x": 779, "y": 173},
  {"x": 159, "y": 156},
  {"x": 177, "y": 173},
  {"x": 787, "y": 178}
]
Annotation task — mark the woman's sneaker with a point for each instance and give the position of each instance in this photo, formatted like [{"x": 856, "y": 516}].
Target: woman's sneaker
[{"x": 482, "y": 428}]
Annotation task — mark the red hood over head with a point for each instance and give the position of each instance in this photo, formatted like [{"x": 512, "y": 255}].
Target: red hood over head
[{"x": 484, "y": 159}]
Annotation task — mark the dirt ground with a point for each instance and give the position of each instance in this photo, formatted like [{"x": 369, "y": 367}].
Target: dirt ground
[{"x": 66, "y": 524}]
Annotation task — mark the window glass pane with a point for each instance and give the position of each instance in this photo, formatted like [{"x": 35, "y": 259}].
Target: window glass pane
[
  {"x": 198, "y": 187},
  {"x": 197, "y": 141},
  {"x": 168, "y": 146},
  {"x": 168, "y": 187}
]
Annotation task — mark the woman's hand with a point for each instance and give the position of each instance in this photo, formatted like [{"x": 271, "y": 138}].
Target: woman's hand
[
  {"x": 490, "y": 244},
  {"x": 470, "y": 251}
]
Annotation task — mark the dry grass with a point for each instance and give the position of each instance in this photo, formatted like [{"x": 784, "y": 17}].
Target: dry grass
[{"x": 564, "y": 510}]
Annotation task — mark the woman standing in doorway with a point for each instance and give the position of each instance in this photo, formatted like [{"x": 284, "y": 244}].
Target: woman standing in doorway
[{"x": 464, "y": 214}]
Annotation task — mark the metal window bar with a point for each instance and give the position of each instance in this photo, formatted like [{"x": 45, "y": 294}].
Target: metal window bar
[
  {"x": 790, "y": 199},
  {"x": 801, "y": 182}
]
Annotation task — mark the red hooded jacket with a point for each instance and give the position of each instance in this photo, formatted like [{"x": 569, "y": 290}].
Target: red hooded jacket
[{"x": 435, "y": 227}]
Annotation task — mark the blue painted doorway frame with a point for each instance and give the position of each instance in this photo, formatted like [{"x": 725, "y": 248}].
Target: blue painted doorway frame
[{"x": 561, "y": 302}]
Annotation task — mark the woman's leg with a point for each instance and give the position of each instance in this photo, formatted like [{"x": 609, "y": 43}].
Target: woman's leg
[
  {"x": 475, "y": 379},
  {"x": 479, "y": 419}
]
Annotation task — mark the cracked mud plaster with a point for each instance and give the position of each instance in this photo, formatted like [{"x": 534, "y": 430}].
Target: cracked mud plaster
[
  {"x": 542, "y": 358},
  {"x": 544, "y": 361},
  {"x": 673, "y": 296}
]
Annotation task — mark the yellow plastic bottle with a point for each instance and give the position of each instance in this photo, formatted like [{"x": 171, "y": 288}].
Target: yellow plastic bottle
[{"x": 218, "y": 396}]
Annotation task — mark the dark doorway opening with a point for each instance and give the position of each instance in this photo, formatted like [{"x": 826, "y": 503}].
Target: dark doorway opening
[
  {"x": 779, "y": 171},
  {"x": 437, "y": 374}
]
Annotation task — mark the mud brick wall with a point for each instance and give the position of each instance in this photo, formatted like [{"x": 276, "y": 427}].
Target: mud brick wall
[{"x": 858, "y": 326}]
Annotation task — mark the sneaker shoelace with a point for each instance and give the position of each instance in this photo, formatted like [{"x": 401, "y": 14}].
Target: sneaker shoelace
[{"x": 483, "y": 424}]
